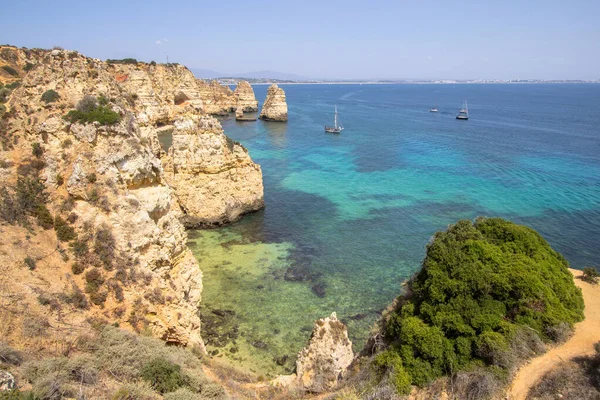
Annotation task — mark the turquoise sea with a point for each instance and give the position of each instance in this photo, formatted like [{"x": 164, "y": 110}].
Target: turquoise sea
[{"x": 348, "y": 216}]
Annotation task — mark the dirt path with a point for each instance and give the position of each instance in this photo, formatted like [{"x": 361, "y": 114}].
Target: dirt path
[{"x": 581, "y": 343}]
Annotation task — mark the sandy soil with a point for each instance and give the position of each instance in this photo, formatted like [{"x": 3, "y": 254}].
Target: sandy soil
[{"x": 581, "y": 343}]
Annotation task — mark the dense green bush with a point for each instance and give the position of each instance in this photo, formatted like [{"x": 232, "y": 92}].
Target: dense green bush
[
  {"x": 101, "y": 114},
  {"x": 590, "y": 275},
  {"x": 50, "y": 96},
  {"x": 480, "y": 284},
  {"x": 37, "y": 150},
  {"x": 123, "y": 61},
  {"x": 64, "y": 232},
  {"x": 164, "y": 376}
]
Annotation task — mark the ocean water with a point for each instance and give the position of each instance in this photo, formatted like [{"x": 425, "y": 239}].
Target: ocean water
[{"x": 348, "y": 216}]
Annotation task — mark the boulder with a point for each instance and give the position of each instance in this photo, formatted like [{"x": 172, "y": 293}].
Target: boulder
[
  {"x": 7, "y": 381},
  {"x": 326, "y": 357}
]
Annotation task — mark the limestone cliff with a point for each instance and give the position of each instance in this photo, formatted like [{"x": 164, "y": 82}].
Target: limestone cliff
[
  {"x": 217, "y": 99},
  {"x": 213, "y": 176},
  {"x": 117, "y": 219},
  {"x": 245, "y": 99},
  {"x": 327, "y": 356},
  {"x": 275, "y": 107}
]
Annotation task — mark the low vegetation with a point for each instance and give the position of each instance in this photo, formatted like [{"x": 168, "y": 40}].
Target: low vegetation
[
  {"x": 90, "y": 110},
  {"x": 50, "y": 96},
  {"x": 145, "y": 367},
  {"x": 591, "y": 275},
  {"x": 123, "y": 61},
  {"x": 489, "y": 295},
  {"x": 573, "y": 380},
  {"x": 10, "y": 70}
]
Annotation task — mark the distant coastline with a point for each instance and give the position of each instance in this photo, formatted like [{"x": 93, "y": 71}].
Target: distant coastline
[{"x": 267, "y": 81}]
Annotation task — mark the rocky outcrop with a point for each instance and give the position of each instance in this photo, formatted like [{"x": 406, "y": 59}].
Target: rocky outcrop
[
  {"x": 217, "y": 99},
  {"x": 275, "y": 107},
  {"x": 109, "y": 184},
  {"x": 159, "y": 93},
  {"x": 326, "y": 357},
  {"x": 244, "y": 95},
  {"x": 214, "y": 178},
  {"x": 7, "y": 381}
]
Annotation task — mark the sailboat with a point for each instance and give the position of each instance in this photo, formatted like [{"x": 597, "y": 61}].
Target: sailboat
[
  {"x": 337, "y": 126},
  {"x": 463, "y": 113},
  {"x": 433, "y": 109}
]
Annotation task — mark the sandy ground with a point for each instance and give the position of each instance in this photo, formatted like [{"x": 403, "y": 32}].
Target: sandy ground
[{"x": 581, "y": 343}]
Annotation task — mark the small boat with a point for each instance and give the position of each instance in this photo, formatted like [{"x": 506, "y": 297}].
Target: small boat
[
  {"x": 337, "y": 126},
  {"x": 433, "y": 109},
  {"x": 463, "y": 113}
]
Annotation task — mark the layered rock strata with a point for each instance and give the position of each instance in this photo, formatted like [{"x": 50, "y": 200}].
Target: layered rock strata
[
  {"x": 275, "y": 107},
  {"x": 326, "y": 357},
  {"x": 215, "y": 180},
  {"x": 217, "y": 99},
  {"x": 109, "y": 182},
  {"x": 245, "y": 99}
]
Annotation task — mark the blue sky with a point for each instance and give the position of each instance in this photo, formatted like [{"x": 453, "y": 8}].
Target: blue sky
[{"x": 326, "y": 39}]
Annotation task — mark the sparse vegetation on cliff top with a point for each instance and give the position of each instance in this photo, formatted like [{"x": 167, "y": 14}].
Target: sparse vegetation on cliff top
[{"x": 488, "y": 295}]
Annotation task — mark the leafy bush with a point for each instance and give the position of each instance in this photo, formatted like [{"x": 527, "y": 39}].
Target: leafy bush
[
  {"x": 10, "y": 70},
  {"x": 481, "y": 286},
  {"x": 87, "y": 103},
  {"x": 164, "y": 376},
  {"x": 123, "y": 61},
  {"x": 590, "y": 275},
  {"x": 37, "y": 150},
  {"x": 50, "y": 96},
  {"x": 28, "y": 67},
  {"x": 4, "y": 92},
  {"x": 26, "y": 199},
  {"x": 9, "y": 355},
  {"x": 29, "y": 263},
  {"x": 64, "y": 232},
  {"x": 94, "y": 280},
  {"x": 101, "y": 114}
]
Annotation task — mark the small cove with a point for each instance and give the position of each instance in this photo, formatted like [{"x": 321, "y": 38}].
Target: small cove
[{"x": 348, "y": 216}]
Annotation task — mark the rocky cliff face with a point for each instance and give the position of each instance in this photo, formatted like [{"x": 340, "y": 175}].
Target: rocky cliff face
[
  {"x": 217, "y": 99},
  {"x": 106, "y": 183},
  {"x": 326, "y": 357},
  {"x": 214, "y": 178},
  {"x": 245, "y": 99},
  {"x": 275, "y": 107}
]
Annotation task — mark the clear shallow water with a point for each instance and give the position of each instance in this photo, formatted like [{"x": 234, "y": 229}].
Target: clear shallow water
[{"x": 348, "y": 216}]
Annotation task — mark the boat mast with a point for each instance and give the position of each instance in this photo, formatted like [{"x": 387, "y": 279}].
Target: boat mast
[{"x": 335, "y": 125}]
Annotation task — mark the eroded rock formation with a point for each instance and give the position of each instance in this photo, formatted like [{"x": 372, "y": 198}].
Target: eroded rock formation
[
  {"x": 275, "y": 107},
  {"x": 326, "y": 357},
  {"x": 245, "y": 99},
  {"x": 108, "y": 182},
  {"x": 217, "y": 99},
  {"x": 214, "y": 178}
]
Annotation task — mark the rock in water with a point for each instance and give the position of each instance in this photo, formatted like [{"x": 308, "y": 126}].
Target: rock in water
[
  {"x": 7, "y": 381},
  {"x": 275, "y": 107},
  {"x": 214, "y": 178},
  {"x": 217, "y": 99},
  {"x": 325, "y": 359},
  {"x": 245, "y": 99}
]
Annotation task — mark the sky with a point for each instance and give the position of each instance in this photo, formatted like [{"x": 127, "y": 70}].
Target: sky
[{"x": 326, "y": 39}]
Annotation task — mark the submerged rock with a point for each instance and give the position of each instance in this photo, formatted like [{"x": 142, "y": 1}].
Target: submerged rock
[
  {"x": 327, "y": 356},
  {"x": 275, "y": 107}
]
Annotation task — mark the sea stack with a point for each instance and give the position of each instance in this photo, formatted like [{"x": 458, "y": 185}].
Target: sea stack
[
  {"x": 275, "y": 106},
  {"x": 217, "y": 99},
  {"x": 326, "y": 357},
  {"x": 245, "y": 99}
]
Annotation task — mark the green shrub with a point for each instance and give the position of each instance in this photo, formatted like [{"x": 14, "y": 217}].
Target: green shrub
[
  {"x": 164, "y": 376},
  {"x": 101, "y": 114},
  {"x": 29, "y": 263},
  {"x": 37, "y": 150},
  {"x": 590, "y": 275},
  {"x": 10, "y": 70},
  {"x": 94, "y": 280},
  {"x": 390, "y": 361},
  {"x": 123, "y": 61},
  {"x": 50, "y": 96},
  {"x": 77, "y": 268},
  {"x": 8, "y": 355},
  {"x": 484, "y": 291},
  {"x": 28, "y": 67},
  {"x": 64, "y": 232},
  {"x": 4, "y": 92},
  {"x": 26, "y": 199}
]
